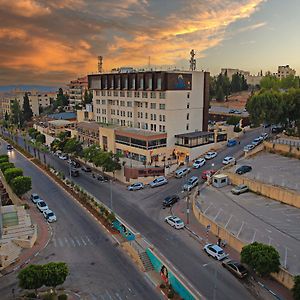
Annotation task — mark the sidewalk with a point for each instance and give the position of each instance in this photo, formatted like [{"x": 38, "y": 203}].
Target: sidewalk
[
  {"x": 199, "y": 231},
  {"x": 43, "y": 237}
]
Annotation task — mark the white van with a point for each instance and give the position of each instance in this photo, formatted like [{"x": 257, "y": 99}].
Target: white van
[{"x": 181, "y": 172}]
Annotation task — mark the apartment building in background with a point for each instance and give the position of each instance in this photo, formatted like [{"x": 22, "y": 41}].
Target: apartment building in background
[
  {"x": 284, "y": 71},
  {"x": 77, "y": 89},
  {"x": 151, "y": 116}
]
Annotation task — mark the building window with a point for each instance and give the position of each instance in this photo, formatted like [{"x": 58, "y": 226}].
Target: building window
[
  {"x": 146, "y": 115},
  {"x": 122, "y": 94},
  {"x": 97, "y": 93},
  {"x": 141, "y": 115},
  {"x": 146, "y": 126},
  {"x": 129, "y": 94},
  {"x": 112, "y": 111},
  {"x": 104, "y": 119},
  {"x": 162, "y": 95},
  {"x": 104, "y": 111},
  {"x": 122, "y": 103},
  {"x": 136, "y": 94},
  {"x": 126, "y": 84},
  {"x": 129, "y": 103},
  {"x": 153, "y": 105},
  {"x": 98, "y": 101},
  {"x": 188, "y": 95},
  {"x": 162, "y": 106},
  {"x": 146, "y": 104},
  {"x": 118, "y": 83},
  {"x": 108, "y": 93},
  {"x": 138, "y": 125},
  {"x": 153, "y": 117},
  {"x": 187, "y": 116},
  {"x": 187, "y": 126},
  {"x": 188, "y": 105},
  {"x": 133, "y": 83},
  {"x": 141, "y": 83},
  {"x": 117, "y": 112},
  {"x": 158, "y": 83},
  {"x": 152, "y": 95},
  {"x": 116, "y": 94},
  {"x": 144, "y": 95}
]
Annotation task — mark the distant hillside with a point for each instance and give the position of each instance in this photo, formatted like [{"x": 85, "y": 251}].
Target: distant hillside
[{"x": 41, "y": 88}]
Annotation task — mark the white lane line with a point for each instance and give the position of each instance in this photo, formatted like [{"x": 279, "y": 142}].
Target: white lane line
[
  {"x": 77, "y": 241},
  {"x": 107, "y": 293},
  {"x": 61, "y": 244},
  {"x": 72, "y": 241},
  {"x": 84, "y": 242},
  {"x": 54, "y": 243},
  {"x": 88, "y": 239},
  {"x": 67, "y": 242},
  {"x": 118, "y": 296}
]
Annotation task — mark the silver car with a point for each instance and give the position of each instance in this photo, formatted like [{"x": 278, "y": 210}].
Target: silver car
[
  {"x": 136, "y": 186},
  {"x": 161, "y": 180},
  {"x": 239, "y": 189}
]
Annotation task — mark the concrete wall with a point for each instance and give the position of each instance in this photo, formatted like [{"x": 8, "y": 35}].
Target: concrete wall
[
  {"x": 274, "y": 192},
  {"x": 133, "y": 253},
  {"x": 283, "y": 276},
  {"x": 282, "y": 149}
]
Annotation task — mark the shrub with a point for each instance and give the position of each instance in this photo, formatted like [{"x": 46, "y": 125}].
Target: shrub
[
  {"x": 237, "y": 129},
  {"x": 171, "y": 294},
  {"x": 26, "y": 206},
  {"x": 4, "y": 158},
  {"x": 20, "y": 185},
  {"x": 162, "y": 286},
  {"x": 12, "y": 173},
  {"x": 62, "y": 297},
  {"x": 49, "y": 296},
  {"x": 30, "y": 295},
  {"x": 6, "y": 165},
  {"x": 296, "y": 288}
]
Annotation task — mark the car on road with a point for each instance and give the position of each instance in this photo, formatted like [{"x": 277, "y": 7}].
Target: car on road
[
  {"x": 248, "y": 147},
  {"x": 161, "y": 180},
  {"x": 231, "y": 111},
  {"x": 49, "y": 215},
  {"x": 199, "y": 163},
  {"x": 182, "y": 172},
  {"x": 264, "y": 135},
  {"x": 41, "y": 205},
  {"x": 231, "y": 143},
  {"x": 102, "y": 178},
  {"x": 257, "y": 141},
  {"x": 170, "y": 200},
  {"x": 175, "y": 222},
  {"x": 215, "y": 251},
  {"x": 35, "y": 198},
  {"x": 74, "y": 163},
  {"x": 86, "y": 169},
  {"x": 63, "y": 156},
  {"x": 228, "y": 160},
  {"x": 240, "y": 189},
  {"x": 191, "y": 183},
  {"x": 74, "y": 173},
  {"x": 9, "y": 147},
  {"x": 136, "y": 186},
  {"x": 235, "y": 268},
  {"x": 207, "y": 173},
  {"x": 276, "y": 128},
  {"x": 210, "y": 155},
  {"x": 243, "y": 169}
]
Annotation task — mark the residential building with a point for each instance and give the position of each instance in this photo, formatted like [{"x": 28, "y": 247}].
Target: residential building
[
  {"x": 88, "y": 133},
  {"x": 141, "y": 113},
  {"x": 77, "y": 89},
  {"x": 229, "y": 72},
  {"x": 86, "y": 114},
  {"x": 284, "y": 71}
]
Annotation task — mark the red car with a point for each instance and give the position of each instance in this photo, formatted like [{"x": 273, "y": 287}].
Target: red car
[{"x": 207, "y": 172}]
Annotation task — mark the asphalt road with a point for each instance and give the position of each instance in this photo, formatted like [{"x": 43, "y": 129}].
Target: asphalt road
[
  {"x": 98, "y": 268},
  {"x": 142, "y": 210}
]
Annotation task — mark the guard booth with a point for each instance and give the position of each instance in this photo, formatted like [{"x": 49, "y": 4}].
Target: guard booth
[{"x": 220, "y": 180}]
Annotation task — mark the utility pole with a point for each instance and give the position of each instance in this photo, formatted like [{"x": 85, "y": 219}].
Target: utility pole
[{"x": 188, "y": 208}]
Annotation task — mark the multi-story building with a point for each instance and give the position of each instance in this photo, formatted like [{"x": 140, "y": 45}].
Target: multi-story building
[
  {"x": 146, "y": 115},
  {"x": 284, "y": 71},
  {"x": 77, "y": 89},
  {"x": 229, "y": 72}
]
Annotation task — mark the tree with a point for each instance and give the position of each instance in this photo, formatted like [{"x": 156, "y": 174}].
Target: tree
[
  {"x": 20, "y": 185},
  {"x": 6, "y": 117},
  {"x": 27, "y": 111},
  {"x": 55, "y": 273},
  {"x": 264, "y": 259},
  {"x": 41, "y": 138},
  {"x": 220, "y": 94},
  {"x": 270, "y": 82},
  {"x": 16, "y": 114},
  {"x": 12, "y": 173},
  {"x": 6, "y": 165},
  {"x": 61, "y": 99},
  {"x": 111, "y": 163},
  {"x": 32, "y": 132},
  {"x": 4, "y": 158},
  {"x": 90, "y": 152},
  {"x": 233, "y": 120},
  {"x": 296, "y": 288},
  {"x": 31, "y": 277},
  {"x": 73, "y": 146}
]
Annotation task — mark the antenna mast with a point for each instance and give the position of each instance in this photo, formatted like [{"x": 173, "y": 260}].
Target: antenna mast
[
  {"x": 100, "y": 64},
  {"x": 192, "y": 60}
]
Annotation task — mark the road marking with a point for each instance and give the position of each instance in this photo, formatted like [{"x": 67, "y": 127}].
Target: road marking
[
  {"x": 67, "y": 242},
  {"x": 87, "y": 238},
  {"x": 61, "y": 244},
  {"x": 83, "y": 241},
  {"x": 77, "y": 241},
  {"x": 54, "y": 242},
  {"x": 108, "y": 294},
  {"x": 118, "y": 296},
  {"x": 72, "y": 241}
]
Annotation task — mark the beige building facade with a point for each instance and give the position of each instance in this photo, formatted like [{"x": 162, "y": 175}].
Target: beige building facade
[
  {"x": 285, "y": 71},
  {"x": 77, "y": 89}
]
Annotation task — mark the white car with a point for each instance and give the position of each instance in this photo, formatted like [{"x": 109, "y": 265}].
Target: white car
[
  {"x": 257, "y": 141},
  {"x": 248, "y": 147},
  {"x": 41, "y": 205},
  {"x": 215, "y": 251},
  {"x": 161, "y": 180},
  {"x": 63, "y": 156},
  {"x": 136, "y": 186},
  {"x": 35, "y": 198},
  {"x": 175, "y": 222},
  {"x": 264, "y": 135},
  {"x": 228, "y": 160},
  {"x": 199, "y": 163},
  {"x": 210, "y": 155},
  {"x": 49, "y": 215}
]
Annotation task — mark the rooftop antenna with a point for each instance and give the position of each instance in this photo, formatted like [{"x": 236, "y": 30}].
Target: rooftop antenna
[
  {"x": 100, "y": 64},
  {"x": 192, "y": 60}
]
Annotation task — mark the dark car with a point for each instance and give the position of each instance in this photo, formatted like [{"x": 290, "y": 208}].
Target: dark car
[
  {"x": 86, "y": 169},
  {"x": 102, "y": 178},
  {"x": 9, "y": 147},
  {"x": 276, "y": 129},
  {"x": 235, "y": 268},
  {"x": 243, "y": 169},
  {"x": 170, "y": 200},
  {"x": 75, "y": 164},
  {"x": 74, "y": 173}
]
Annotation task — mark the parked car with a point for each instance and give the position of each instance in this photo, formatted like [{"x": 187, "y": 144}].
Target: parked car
[
  {"x": 276, "y": 128},
  {"x": 74, "y": 173},
  {"x": 86, "y": 169},
  {"x": 161, "y": 180},
  {"x": 210, "y": 155},
  {"x": 74, "y": 163},
  {"x": 231, "y": 143},
  {"x": 49, "y": 215},
  {"x": 41, "y": 205},
  {"x": 170, "y": 200},
  {"x": 228, "y": 160},
  {"x": 57, "y": 153},
  {"x": 231, "y": 111},
  {"x": 243, "y": 169},
  {"x": 63, "y": 156},
  {"x": 264, "y": 135},
  {"x": 102, "y": 178},
  {"x": 257, "y": 141},
  {"x": 215, "y": 251},
  {"x": 182, "y": 172},
  {"x": 207, "y": 173},
  {"x": 136, "y": 186},
  {"x": 235, "y": 268},
  {"x": 249, "y": 147},
  {"x": 199, "y": 163},
  {"x": 191, "y": 183},
  {"x": 239, "y": 189},
  {"x": 175, "y": 222},
  {"x": 35, "y": 198},
  {"x": 9, "y": 147}
]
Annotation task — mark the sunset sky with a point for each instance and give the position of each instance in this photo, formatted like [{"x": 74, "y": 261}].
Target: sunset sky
[{"x": 51, "y": 42}]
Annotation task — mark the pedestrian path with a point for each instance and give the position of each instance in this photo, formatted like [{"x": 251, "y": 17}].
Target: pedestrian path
[{"x": 72, "y": 241}]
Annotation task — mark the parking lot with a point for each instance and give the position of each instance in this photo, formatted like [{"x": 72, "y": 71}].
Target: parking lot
[
  {"x": 255, "y": 218},
  {"x": 273, "y": 169}
]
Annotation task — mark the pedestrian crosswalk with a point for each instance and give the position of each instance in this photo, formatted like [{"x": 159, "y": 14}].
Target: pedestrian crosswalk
[
  {"x": 72, "y": 241},
  {"x": 121, "y": 294}
]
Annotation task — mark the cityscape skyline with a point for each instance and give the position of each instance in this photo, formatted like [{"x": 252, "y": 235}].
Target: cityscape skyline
[{"x": 53, "y": 42}]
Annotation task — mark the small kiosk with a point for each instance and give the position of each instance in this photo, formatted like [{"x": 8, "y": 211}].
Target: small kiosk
[{"x": 220, "y": 180}]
